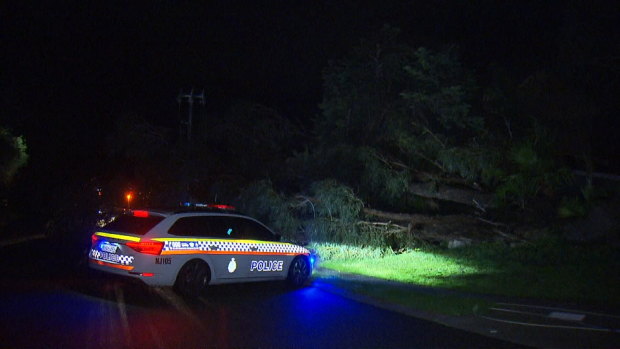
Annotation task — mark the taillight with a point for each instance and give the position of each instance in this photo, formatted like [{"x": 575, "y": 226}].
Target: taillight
[
  {"x": 140, "y": 213},
  {"x": 147, "y": 247}
]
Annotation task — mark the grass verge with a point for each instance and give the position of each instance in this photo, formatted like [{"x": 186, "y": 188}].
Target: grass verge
[
  {"x": 550, "y": 270},
  {"x": 405, "y": 297}
]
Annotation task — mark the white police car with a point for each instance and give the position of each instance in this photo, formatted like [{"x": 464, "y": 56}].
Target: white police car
[{"x": 191, "y": 249}]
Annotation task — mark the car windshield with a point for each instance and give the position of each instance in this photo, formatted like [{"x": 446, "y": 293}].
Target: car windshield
[{"x": 132, "y": 224}]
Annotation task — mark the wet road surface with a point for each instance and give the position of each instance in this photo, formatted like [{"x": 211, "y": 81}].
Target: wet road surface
[{"x": 49, "y": 299}]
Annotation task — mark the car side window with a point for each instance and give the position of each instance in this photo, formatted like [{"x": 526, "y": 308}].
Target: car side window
[
  {"x": 252, "y": 230},
  {"x": 187, "y": 226},
  {"x": 221, "y": 227},
  {"x": 202, "y": 226}
]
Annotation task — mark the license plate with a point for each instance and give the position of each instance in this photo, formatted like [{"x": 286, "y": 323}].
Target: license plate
[{"x": 105, "y": 246}]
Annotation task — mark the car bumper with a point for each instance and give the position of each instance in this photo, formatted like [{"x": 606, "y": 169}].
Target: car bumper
[{"x": 149, "y": 278}]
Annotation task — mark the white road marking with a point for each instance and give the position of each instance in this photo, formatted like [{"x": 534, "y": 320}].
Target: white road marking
[
  {"x": 519, "y": 312},
  {"x": 173, "y": 299},
  {"x": 157, "y": 339},
  {"x": 561, "y": 309},
  {"x": 557, "y": 313},
  {"x": 566, "y": 316},
  {"x": 122, "y": 309},
  {"x": 598, "y": 329},
  {"x": 553, "y": 315}
]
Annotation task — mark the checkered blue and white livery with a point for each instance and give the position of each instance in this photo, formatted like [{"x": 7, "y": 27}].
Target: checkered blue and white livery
[
  {"x": 111, "y": 257},
  {"x": 214, "y": 246}
]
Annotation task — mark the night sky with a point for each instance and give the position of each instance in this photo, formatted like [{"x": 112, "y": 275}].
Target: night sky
[{"x": 70, "y": 70}]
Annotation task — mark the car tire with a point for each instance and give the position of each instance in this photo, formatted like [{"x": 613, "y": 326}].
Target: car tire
[
  {"x": 299, "y": 271},
  {"x": 193, "y": 278}
]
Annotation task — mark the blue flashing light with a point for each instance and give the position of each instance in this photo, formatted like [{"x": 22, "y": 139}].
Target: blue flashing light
[
  {"x": 312, "y": 260},
  {"x": 187, "y": 204}
]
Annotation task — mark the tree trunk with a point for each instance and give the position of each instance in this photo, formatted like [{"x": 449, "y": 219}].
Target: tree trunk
[
  {"x": 445, "y": 228},
  {"x": 462, "y": 196},
  {"x": 397, "y": 217}
]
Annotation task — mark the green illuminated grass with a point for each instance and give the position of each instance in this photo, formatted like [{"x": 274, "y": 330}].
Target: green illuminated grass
[
  {"x": 546, "y": 270},
  {"x": 418, "y": 267}
]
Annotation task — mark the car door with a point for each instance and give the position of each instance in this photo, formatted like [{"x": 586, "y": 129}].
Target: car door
[
  {"x": 266, "y": 259},
  {"x": 211, "y": 237},
  {"x": 227, "y": 252}
]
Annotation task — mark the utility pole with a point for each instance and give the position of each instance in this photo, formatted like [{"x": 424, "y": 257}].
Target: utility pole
[
  {"x": 189, "y": 98},
  {"x": 187, "y": 170}
]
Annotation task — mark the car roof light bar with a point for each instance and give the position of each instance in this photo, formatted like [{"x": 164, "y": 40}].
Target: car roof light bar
[
  {"x": 221, "y": 207},
  {"x": 216, "y": 206}
]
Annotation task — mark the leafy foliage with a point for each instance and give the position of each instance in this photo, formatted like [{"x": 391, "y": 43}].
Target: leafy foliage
[
  {"x": 573, "y": 207},
  {"x": 386, "y": 182},
  {"x": 441, "y": 92},
  {"x": 361, "y": 98},
  {"x": 335, "y": 209},
  {"x": 393, "y": 115},
  {"x": 531, "y": 170},
  {"x": 328, "y": 212},
  {"x": 261, "y": 201},
  {"x": 13, "y": 155},
  {"x": 335, "y": 201}
]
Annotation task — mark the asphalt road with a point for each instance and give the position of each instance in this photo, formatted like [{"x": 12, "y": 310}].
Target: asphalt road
[{"x": 49, "y": 299}]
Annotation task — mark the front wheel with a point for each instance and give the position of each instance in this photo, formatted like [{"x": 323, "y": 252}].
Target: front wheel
[
  {"x": 193, "y": 278},
  {"x": 299, "y": 271}
]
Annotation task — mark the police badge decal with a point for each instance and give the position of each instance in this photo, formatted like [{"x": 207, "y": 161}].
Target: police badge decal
[{"x": 232, "y": 266}]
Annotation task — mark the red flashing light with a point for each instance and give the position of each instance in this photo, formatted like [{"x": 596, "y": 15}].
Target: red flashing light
[
  {"x": 222, "y": 207},
  {"x": 147, "y": 247},
  {"x": 138, "y": 213},
  {"x": 94, "y": 238}
]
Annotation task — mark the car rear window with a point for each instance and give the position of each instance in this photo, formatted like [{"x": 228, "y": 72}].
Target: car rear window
[{"x": 133, "y": 225}]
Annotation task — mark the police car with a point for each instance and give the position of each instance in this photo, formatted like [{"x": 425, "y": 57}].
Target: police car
[{"x": 192, "y": 249}]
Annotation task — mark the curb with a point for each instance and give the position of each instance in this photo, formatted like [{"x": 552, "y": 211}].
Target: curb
[{"x": 512, "y": 320}]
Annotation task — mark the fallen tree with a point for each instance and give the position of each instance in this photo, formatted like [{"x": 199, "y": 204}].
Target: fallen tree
[
  {"x": 441, "y": 228},
  {"x": 330, "y": 212},
  {"x": 470, "y": 197}
]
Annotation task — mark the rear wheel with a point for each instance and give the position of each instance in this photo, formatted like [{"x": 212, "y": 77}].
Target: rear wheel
[
  {"x": 193, "y": 278},
  {"x": 299, "y": 271}
]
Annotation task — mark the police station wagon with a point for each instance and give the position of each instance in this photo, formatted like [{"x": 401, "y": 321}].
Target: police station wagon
[{"x": 192, "y": 249}]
